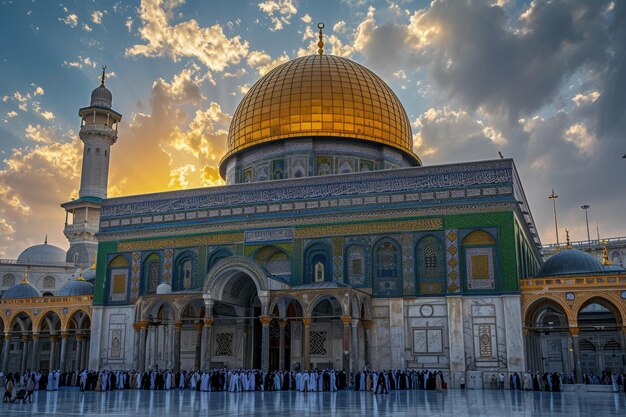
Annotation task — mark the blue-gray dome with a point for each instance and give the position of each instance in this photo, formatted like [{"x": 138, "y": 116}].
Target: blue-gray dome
[
  {"x": 41, "y": 254},
  {"x": 571, "y": 262},
  {"x": 22, "y": 290},
  {"x": 76, "y": 287},
  {"x": 101, "y": 96}
]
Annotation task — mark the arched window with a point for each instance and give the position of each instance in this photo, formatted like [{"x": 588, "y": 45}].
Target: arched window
[
  {"x": 118, "y": 278},
  {"x": 356, "y": 265},
  {"x": 388, "y": 260},
  {"x": 275, "y": 260},
  {"x": 479, "y": 252},
  {"x": 49, "y": 283},
  {"x": 217, "y": 255},
  {"x": 387, "y": 268},
  {"x": 185, "y": 271},
  {"x": 151, "y": 273},
  {"x": 429, "y": 266},
  {"x": 8, "y": 280},
  {"x": 317, "y": 265}
]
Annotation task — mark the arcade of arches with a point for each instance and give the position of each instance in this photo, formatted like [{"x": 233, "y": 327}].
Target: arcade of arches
[
  {"x": 45, "y": 333},
  {"x": 238, "y": 323},
  {"x": 575, "y": 324}
]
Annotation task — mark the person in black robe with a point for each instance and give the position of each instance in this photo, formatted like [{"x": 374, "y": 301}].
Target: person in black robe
[
  {"x": 381, "y": 385},
  {"x": 357, "y": 381},
  {"x": 536, "y": 386},
  {"x": 556, "y": 382},
  {"x": 326, "y": 381}
]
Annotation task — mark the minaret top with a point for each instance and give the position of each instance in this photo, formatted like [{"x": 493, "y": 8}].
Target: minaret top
[{"x": 101, "y": 96}]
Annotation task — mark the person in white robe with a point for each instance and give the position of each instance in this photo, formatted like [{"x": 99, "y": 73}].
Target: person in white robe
[
  {"x": 333, "y": 380},
  {"x": 168, "y": 380},
  {"x": 277, "y": 384},
  {"x": 298, "y": 381},
  {"x": 304, "y": 383},
  {"x": 50, "y": 384},
  {"x": 362, "y": 382}
]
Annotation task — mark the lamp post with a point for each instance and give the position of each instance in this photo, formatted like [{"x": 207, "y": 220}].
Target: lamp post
[
  {"x": 586, "y": 207},
  {"x": 553, "y": 197}
]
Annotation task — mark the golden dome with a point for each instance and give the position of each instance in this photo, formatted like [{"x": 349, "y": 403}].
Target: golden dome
[{"x": 320, "y": 95}]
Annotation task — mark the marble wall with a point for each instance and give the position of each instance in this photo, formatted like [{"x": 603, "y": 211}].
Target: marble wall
[
  {"x": 112, "y": 337},
  {"x": 462, "y": 336}
]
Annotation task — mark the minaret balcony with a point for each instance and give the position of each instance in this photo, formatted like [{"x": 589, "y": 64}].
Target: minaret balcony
[{"x": 107, "y": 133}]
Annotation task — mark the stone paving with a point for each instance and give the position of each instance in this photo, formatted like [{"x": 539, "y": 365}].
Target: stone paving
[{"x": 456, "y": 403}]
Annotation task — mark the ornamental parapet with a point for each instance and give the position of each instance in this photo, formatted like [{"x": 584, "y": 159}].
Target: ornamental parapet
[
  {"x": 64, "y": 301},
  {"x": 569, "y": 282}
]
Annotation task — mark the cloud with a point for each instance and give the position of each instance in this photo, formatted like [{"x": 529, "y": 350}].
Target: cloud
[
  {"x": 306, "y": 18},
  {"x": 71, "y": 20},
  {"x": 11, "y": 114},
  {"x": 579, "y": 135},
  {"x": 38, "y": 91},
  {"x": 96, "y": 17},
  {"x": 339, "y": 27},
  {"x": 581, "y": 99},
  {"x": 186, "y": 39},
  {"x": 263, "y": 62},
  {"x": 279, "y": 12},
  {"x": 39, "y": 133},
  {"x": 449, "y": 135},
  {"x": 80, "y": 63},
  {"x": 129, "y": 24},
  {"x": 86, "y": 27},
  {"x": 33, "y": 182}
]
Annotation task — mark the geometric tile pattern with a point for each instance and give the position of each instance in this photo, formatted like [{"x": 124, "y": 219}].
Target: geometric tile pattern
[{"x": 452, "y": 260}]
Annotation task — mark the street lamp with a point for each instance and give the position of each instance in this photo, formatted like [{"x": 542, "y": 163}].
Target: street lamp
[
  {"x": 553, "y": 197},
  {"x": 586, "y": 207}
]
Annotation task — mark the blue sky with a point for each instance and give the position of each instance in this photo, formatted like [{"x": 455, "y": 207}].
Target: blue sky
[{"x": 541, "y": 82}]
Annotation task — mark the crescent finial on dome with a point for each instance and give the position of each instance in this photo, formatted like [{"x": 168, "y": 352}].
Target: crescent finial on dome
[
  {"x": 104, "y": 67},
  {"x": 320, "y": 44}
]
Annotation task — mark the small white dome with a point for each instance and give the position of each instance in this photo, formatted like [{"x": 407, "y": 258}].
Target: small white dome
[
  {"x": 42, "y": 254},
  {"x": 164, "y": 288}
]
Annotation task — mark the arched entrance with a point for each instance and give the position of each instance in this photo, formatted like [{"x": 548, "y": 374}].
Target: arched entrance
[
  {"x": 237, "y": 296},
  {"x": 600, "y": 345},
  {"x": 548, "y": 341},
  {"x": 236, "y": 327}
]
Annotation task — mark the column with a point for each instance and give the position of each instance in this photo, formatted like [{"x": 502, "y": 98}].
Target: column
[
  {"x": 367, "y": 331},
  {"x": 346, "y": 343},
  {"x": 34, "y": 362},
  {"x": 355, "y": 345},
  {"x": 85, "y": 358},
  {"x": 79, "y": 350},
  {"x": 155, "y": 340},
  {"x": 24, "y": 363},
  {"x": 53, "y": 352},
  {"x": 176, "y": 345},
  {"x": 5, "y": 352},
  {"x": 136, "y": 335},
  {"x": 207, "y": 342},
  {"x": 265, "y": 342},
  {"x": 574, "y": 332},
  {"x": 306, "y": 344},
  {"x": 198, "y": 351},
  {"x": 141, "y": 356},
  {"x": 63, "y": 351},
  {"x": 281, "y": 347}
]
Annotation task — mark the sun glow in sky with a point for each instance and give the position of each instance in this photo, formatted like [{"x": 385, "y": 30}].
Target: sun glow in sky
[{"x": 542, "y": 82}]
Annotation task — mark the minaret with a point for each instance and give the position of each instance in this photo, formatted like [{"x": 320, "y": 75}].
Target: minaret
[{"x": 98, "y": 131}]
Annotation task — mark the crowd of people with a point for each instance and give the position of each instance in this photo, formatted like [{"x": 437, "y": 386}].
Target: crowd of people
[{"x": 22, "y": 385}]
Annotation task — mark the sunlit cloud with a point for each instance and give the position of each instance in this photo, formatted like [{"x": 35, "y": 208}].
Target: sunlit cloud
[
  {"x": 280, "y": 12},
  {"x": 185, "y": 39}
]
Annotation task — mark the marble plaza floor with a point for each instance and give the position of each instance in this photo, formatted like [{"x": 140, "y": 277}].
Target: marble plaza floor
[{"x": 455, "y": 403}]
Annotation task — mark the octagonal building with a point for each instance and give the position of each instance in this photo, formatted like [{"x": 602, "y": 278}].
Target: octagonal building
[{"x": 331, "y": 246}]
